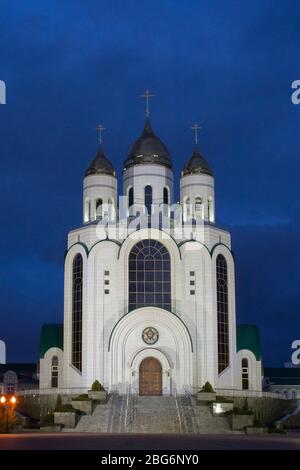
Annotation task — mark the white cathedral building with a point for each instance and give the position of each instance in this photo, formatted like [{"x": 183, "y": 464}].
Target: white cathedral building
[{"x": 149, "y": 286}]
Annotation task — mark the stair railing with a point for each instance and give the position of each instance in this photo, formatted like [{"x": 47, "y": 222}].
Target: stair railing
[
  {"x": 178, "y": 412},
  {"x": 129, "y": 409}
]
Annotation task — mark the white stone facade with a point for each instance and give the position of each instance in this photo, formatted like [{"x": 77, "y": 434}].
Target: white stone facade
[{"x": 112, "y": 344}]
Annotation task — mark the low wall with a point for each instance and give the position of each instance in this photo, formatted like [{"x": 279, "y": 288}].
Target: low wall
[
  {"x": 293, "y": 422},
  {"x": 267, "y": 410},
  {"x": 37, "y": 406}
]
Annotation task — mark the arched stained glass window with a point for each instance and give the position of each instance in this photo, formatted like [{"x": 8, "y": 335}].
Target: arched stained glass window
[
  {"x": 77, "y": 312},
  {"x": 222, "y": 313},
  {"x": 149, "y": 275},
  {"x": 148, "y": 198}
]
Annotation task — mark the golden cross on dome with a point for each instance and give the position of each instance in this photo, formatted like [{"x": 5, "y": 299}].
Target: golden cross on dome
[
  {"x": 147, "y": 95},
  {"x": 100, "y": 129},
  {"x": 196, "y": 128}
]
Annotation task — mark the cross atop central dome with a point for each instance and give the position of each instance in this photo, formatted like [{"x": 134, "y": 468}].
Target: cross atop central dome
[{"x": 148, "y": 149}]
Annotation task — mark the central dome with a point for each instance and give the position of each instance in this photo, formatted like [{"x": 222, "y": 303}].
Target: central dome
[{"x": 148, "y": 148}]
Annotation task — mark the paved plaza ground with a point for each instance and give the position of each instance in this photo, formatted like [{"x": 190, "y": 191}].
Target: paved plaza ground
[{"x": 65, "y": 441}]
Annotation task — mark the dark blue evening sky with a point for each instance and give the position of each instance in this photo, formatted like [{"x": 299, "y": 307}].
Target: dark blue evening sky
[{"x": 227, "y": 65}]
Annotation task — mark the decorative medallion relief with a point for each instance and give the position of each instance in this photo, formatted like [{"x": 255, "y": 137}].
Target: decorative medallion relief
[{"x": 150, "y": 335}]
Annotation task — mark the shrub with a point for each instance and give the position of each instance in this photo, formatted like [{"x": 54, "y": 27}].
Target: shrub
[
  {"x": 82, "y": 397},
  {"x": 60, "y": 407},
  {"x": 58, "y": 404},
  {"x": 47, "y": 419},
  {"x": 273, "y": 429},
  {"x": 66, "y": 408},
  {"x": 221, "y": 399},
  {"x": 245, "y": 406},
  {"x": 207, "y": 388},
  {"x": 257, "y": 423},
  {"x": 97, "y": 387}
]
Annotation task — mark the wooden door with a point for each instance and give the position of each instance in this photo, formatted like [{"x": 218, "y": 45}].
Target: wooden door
[{"x": 150, "y": 377}]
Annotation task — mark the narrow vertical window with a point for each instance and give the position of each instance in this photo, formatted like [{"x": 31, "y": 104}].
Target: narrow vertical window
[
  {"x": 148, "y": 199},
  {"x": 87, "y": 211},
  {"x": 187, "y": 209},
  {"x": 110, "y": 209},
  {"x": 130, "y": 197},
  {"x": 54, "y": 372},
  {"x": 245, "y": 374},
  {"x": 222, "y": 313},
  {"x": 210, "y": 210},
  {"x": 166, "y": 201},
  {"x": 77, "y": 312},
  {"x": 166, "y": 196},
  {"x": 99, "y": 204},
  {"x": 198, "y": 208}
]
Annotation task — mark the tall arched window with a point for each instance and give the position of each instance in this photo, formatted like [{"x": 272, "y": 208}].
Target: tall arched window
[
  {"x": 99, "y": 208},
  {"x": 130, "y": 197},
  {"x": 54, "y": 372},
  {"x": 110, "y": 209},
  {"x": 187, "y": 209},
  {"x": 166, "y": 195},
  {"x": 148, "y": 198},
  {"x": 222, "y": 313},
  {"x": 210, "y": 210},
  {"x": 198, "y": 208},
  {"x": 245, "y": 374},
  {"x": 166, "y": 201},
  {"x": 149, "y": 275},
  {"x": 77, "y": 312},
  {"x": 87, "y": 211}
]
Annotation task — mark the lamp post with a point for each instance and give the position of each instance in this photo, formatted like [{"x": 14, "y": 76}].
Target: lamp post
[{"x": 8, "y": 403}]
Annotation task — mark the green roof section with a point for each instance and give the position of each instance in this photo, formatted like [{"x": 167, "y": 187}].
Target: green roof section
[
  {"x": 52, "y": 336},
  {"x": 247, "y": 337}
]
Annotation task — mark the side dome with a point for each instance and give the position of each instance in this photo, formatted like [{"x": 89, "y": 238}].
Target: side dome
[
  {"x": 148, "y": 148},
  {"x": 100, "y": 165},
  {"x": 196, "y": 165}
]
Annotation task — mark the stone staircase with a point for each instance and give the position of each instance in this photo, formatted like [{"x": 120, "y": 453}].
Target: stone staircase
[
  {"x": 154, "y": 415},
  {"x": 150, "y": 414},
  {"x": 106, "y": 418},
  {"x": 199, "y": 419}
]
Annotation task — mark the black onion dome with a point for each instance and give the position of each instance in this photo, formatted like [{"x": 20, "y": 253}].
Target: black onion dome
[
  {"x": 148, "y": 148},
  {"x": 196, "y": 165},
  {"x": 100, "y": 165}
]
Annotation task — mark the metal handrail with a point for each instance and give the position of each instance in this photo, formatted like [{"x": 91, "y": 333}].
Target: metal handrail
[{"x": 178, "y": 412}]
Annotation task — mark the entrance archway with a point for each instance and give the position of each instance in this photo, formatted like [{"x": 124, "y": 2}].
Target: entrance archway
[{"x": 150, "y": 377}]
